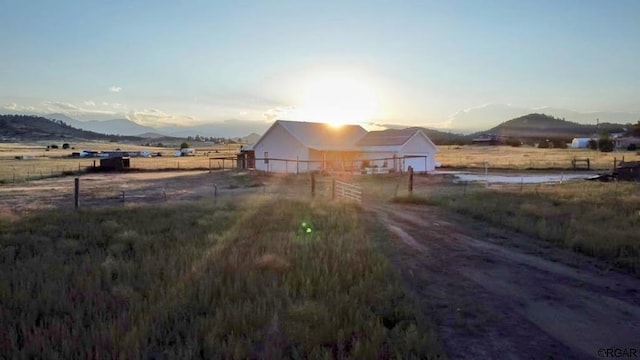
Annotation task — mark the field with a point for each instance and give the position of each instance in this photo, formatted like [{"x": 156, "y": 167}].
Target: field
[
  {"x": 525, "y": 157},
  {"x": 40, "y": 163},
  {"x": 258, "y": 278},
  {"x": 56, "y": 162},
  {"x": 249, "y": 265},
  {"x": 598, "y": 219}
]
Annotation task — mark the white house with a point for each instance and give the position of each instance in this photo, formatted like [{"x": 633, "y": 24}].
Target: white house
[
  {"x": 292, "y": 147},
  {"x": 399, "y": 149}
]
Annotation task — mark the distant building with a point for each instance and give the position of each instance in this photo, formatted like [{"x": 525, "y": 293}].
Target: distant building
[
  {"x": 187, "y": 152},
  {"x": 627, "y": 143},
  {"x": 116, "y": 163},
  {"x": 580, "y": 143},
  {"x": 486, "y": 139}
]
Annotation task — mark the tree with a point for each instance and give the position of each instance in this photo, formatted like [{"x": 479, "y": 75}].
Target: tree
[
  {"x": 605, "y": 144},
  {"x": 635, "y": 129},
  {"x": 184, "y": 145}
]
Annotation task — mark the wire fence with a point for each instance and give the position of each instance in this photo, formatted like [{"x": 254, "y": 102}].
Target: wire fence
[{"x": 379, "y": 165}]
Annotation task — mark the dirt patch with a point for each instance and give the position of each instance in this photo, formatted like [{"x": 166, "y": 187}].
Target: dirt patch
[{"x": 497, "y": 294}]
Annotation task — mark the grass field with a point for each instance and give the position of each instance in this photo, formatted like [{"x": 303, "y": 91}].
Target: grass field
[
  {"x": 260, "y": 278},
  {"x": 598, "y": 219},
  {"x": 526, "y": 157},
  {"x": 56, "y": 162}
]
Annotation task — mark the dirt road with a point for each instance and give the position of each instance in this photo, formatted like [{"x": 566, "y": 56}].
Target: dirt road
[{"x": 500, "y": 295}]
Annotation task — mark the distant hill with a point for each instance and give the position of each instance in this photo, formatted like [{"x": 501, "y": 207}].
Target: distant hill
[
  {"x": 489, "y": 115},
  {"x": 251, "y": 138},
  {"x": 444, "y": 138},
  {"x": 114, "y": 126},
  {"x": 545, "y": 126},
  {"x": 28, "y": 127}
]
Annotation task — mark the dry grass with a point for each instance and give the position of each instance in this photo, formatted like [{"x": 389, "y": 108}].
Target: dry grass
[
  {"x": 598, "y": 219},
  {"x": 525, "y": 157},
  {"x": 209, "y": 281},
  {"x": 56, "y": 162}
]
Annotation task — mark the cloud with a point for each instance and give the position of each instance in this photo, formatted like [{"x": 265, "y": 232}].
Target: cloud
[
  {"x": 60, "y": 106},
  {"x": 13, "y": 107},
  {"x": 89, "y": 110},
  {"x": 277, "y": 113},
  {"x": 156, "y": 117},
  {"x": 115, "y": 89}
]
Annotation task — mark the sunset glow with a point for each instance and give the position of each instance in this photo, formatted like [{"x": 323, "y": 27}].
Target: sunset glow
[{"x": 338, "y": 99}]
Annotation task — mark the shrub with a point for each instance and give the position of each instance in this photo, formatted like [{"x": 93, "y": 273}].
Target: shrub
[{"x": 514, "y": 142}]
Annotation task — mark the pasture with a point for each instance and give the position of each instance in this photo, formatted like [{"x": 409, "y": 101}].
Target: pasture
[
  {"x": 526, "y": 157},
  {"x": 594, "y": 218},
  {"x": 42, "y": 163},
  {"x": 253, "y": 277}
]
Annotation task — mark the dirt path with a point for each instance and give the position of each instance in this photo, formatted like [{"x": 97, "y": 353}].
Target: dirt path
[{"x": 501, "y": 295}]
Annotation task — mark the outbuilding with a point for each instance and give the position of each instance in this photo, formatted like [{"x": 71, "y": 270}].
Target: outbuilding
[
  {"x": 115, "y": 163},
  {"x": 580, "y": 143}
]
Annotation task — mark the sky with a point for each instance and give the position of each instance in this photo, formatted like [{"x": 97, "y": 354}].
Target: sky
[{"x": 372, "y": 62}]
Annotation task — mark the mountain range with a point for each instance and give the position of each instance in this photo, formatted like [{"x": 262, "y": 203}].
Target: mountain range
[
  {"x": 529, "y": 127},
  {"x": 467, "y": 121}
]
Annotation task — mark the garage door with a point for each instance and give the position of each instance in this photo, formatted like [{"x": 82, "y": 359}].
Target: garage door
[{"x": 418, "y": 163}]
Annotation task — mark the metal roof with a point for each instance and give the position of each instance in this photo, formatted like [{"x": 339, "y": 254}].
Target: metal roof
[
  {"x": 388, "y": 137},
  {"x": 324, "y": 136}
]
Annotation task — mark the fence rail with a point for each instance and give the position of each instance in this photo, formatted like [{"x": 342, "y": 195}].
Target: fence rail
[{"x": 347, "y": 191}]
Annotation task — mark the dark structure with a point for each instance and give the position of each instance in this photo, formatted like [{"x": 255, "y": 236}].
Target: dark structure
[
  {"x": 628, "y": 171},
  {"x": 247, "y": 159},
  {"x": 117, "y": 163},
  {"x": 487, "y": 139}
]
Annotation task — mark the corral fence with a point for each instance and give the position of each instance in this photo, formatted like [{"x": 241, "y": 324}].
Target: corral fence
[{"x": 380, "y": 165}]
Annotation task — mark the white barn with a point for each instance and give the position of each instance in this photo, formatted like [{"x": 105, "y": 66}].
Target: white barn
[
  {"x": 399, "y": 149},
  {"x": 292, "y": 147}
]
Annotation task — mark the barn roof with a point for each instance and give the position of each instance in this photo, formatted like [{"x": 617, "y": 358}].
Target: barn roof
[
  {"x": 322, "y": 136},
  {"x": 388, "y": 137}
]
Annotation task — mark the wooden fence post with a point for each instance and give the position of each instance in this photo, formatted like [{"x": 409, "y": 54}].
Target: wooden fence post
[
  {"x": 76, "y": 192},
  {"x": 410, "y": 180},
  {"x": 333, "y": 189},
  {"x": 313, "y": 185}
]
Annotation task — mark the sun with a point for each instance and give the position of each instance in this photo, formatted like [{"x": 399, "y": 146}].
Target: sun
[{"x": 338, "y": 99}]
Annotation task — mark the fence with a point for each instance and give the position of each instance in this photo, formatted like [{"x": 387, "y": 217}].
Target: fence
[
  {"x": 346, "y": 191},
  {"x": 383, "y": 165},
  {"x": 15, "y": 171}
]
